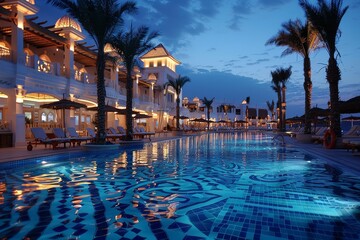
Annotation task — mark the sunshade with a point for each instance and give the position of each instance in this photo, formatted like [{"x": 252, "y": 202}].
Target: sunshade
[{"x": 62, "y": 105}]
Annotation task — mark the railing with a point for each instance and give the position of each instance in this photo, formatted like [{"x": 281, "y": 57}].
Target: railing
[
  {"x": 5, "y": 54},
  {"x": 44, "y": 66}
]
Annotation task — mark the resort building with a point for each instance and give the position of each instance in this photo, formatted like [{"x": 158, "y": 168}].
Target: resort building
[{"x": 41, "y": 64}]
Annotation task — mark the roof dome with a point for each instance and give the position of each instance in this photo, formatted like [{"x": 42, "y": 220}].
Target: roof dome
[{"x": 67, "y": 22}]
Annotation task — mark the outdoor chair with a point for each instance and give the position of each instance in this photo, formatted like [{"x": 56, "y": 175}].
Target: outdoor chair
[
  {"x": 91, "y": 132},
  {"x": 74, "y": 135},
  {"x": 319, "y": 135},
  {"x": 141, "y": 133},
  {"x": 41, "y": 138},
  {"x": 60, "y": 133},
  {"x": 112, "y": 134},
  {"x": 121, "y": 130}
]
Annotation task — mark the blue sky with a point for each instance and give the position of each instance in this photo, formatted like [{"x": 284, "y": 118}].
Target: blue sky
[{"x": 221, "y": 44}]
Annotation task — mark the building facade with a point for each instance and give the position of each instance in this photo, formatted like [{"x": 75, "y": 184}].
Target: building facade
[{"x": 41, "y": 64}]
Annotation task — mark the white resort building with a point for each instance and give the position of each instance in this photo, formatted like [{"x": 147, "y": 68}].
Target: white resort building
[{"x": 41, "y": 64}]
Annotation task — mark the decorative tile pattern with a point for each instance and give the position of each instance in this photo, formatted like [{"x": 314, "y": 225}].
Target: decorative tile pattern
[{"x": 216, "y": 186}]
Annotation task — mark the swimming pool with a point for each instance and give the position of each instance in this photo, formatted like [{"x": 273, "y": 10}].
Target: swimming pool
[{"x": 213, "y": 186}]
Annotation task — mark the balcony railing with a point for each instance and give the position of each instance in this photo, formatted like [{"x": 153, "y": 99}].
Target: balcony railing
[
  {"x": 5, "y": 54},
  {"x": 44, "y": 66}
]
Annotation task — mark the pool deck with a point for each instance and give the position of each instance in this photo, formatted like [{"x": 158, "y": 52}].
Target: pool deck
[{"x": 340, "y": 157}]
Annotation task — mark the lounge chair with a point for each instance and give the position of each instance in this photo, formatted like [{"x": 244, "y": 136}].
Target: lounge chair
[
  {"x": 60, "y": 134},
  {"x": 141, "y": 133},
  {"x": 113, "y": 134},
  {"x": 41, "y": 138},
  {"x": 121, "y": 130},
  {"x": 74, "y": 135},
  {"x": 319, "y": 134},
  {"x": 91, "y": 132}
]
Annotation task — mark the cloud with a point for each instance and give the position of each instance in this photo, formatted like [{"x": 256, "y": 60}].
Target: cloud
[
  {"x": 177, "y": 21},
  {"x": 258, "y": 61},
  {"x": 239, "y": 10},
  {"x": 225, "y": 86},
  {"x": 272, "y": 3}
]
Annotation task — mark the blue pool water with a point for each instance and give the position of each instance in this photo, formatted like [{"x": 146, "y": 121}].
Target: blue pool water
[{"x": 216, "y": 186}]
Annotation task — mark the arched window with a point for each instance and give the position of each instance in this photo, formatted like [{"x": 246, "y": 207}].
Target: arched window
[
  {"x": 43, "y": 117},
  {"x": 29, "y": 57},
  {"x": 51, "y": 117},
  {"x": 4, "y": 49},
  {"x": 44, "y": 64}
]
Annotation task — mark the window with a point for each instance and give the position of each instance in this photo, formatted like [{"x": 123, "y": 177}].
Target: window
[
  {"x": 151, "y": 64},
  {"x": 159, "y": 63},
  {"x": 238, "y": 111},
  {"x": 43, "y": 117},
  {"x": 76, "y": 120},
  {"x": 51, "y": 117}
]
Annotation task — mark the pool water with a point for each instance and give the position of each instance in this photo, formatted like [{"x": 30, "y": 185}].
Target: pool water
[{"x": 213, "y": 186}]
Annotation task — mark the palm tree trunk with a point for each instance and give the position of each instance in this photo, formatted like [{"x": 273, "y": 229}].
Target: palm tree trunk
[
  {"x": 129, "y": 98},
  {"x": 283, "y": 108},
  {"x": 177, "y": 113},
  {"x": 208, "y": 118},
  {"x": 308, "y": 93},
  {"x": 101, "y": 94},
  {"x": 280, "y": 111},
  {"x": 333, "y": 76}
]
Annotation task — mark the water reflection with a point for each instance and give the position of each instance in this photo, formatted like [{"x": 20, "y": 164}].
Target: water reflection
[{"x": 178, "y": 181}]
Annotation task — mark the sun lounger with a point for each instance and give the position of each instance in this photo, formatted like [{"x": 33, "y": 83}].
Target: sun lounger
[
  {"x": 319, "y": 135},
  {"x": 74, "y": 135},
  {"x": 121, "y": 130},
  {"x": 91, "y": 132},
  {"x": 113, "y": 134},
  {"x": 41, "y": 138},
  {"x": 60, "y": 133},
  {"x": 141, "y": 133}
]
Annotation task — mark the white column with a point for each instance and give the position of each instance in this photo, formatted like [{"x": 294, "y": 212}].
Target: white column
[
  {"x": 115, "y": 78},
  {"x": 136, "y": 87},
  {"x": 17, "y": 38},
  {"x": 69, "y": 58}
]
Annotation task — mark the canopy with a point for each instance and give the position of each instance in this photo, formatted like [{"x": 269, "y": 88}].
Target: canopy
[{"x": 63, "y": 104}]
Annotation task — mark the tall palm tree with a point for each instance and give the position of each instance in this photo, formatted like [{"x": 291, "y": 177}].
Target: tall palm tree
[
  {"x": 326, "y": 18},
  {"x": 208, "y": 103},
  {"x": 280, "y": 78},
  {"x": 276, "y": 86},
  {"x": 101, "y": 19},
  {"x": 129, "y": 45},
  {"x": 302, "y": 39},
  {"x": 271, "y": 107},
  {"x": 177, "y": 85}
]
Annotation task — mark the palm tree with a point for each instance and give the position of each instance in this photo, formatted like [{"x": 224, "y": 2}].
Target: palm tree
[
  {"x": 279, "y": 79},
  {"x": 271, "y": 107},
  {"x": 326, "y": 18},
  {"x": 208, "y": 103},
  {"x": 276, "y": 86},
  {"x": 177, "y": 85},
  {"x": 129, "y": 45},
  {"x": 302, "y": 39},
  {"x": 101, "y": 19}
]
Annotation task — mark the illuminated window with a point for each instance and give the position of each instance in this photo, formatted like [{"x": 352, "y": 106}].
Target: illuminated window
[
  {"x": 51, "y": 117},
  {"x": 4, "y": 49},
  {"x": 44, "y": 64},
  {"x": 43, "y": 117},
  {"x": 76, "y": 120}
]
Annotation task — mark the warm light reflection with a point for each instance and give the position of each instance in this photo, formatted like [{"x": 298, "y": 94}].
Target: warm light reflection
[{"x": 2, "y": 191}]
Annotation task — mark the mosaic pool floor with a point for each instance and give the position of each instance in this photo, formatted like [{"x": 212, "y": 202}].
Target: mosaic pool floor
[{"x": 216, "y": 186}]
